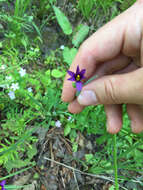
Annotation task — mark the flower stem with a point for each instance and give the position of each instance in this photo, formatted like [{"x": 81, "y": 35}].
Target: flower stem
[
  {"x": 91, "y": 79},
  {"x": 115, "y": 163}
]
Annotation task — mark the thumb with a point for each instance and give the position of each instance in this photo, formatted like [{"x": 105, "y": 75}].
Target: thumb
[{"x": 114, "y": 89}]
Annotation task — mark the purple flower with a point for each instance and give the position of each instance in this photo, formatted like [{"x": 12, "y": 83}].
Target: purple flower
[
  {"x": 77, "y": 77},
  {"x": 2, "y": 184}
]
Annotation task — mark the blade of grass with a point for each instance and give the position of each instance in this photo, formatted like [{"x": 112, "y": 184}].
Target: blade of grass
[
  {"x": 16, "y": 186},
  {"x": 115, "y": 162},
  {"x": 20, "y": 141},
  {"x": 16, "y": 173}
]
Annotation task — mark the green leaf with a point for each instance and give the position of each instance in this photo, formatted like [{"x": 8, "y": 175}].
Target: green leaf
[
  {"x": 102, "y": 139},
  {"x": 48, "y": 72},
  {"x": 69, "y": 54},
  {"x": 32, "y": 151},
  {"x": 75, "y": 147},
  {"x": 80, "y": 35},
  {"x": 67, "y": 130},
  {"x": 73, "y": 84},
  {"x": 63, "y": 21},
  {"x": 89, "y": 157},
  {"x": 112, "y": 187},
  {"x": 56, "y": 73}
]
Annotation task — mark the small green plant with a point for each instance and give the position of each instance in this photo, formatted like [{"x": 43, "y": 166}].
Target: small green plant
[
  {"x": 18, "y": 24},
  {"x": 86, "y": 7},
  {"x": 20, "y": 7}
]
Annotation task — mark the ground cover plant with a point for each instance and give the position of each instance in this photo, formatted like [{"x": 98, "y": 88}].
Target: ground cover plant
[{"x": 42, "y": 145}]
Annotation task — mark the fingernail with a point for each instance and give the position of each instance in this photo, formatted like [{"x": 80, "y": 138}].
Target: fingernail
[{"x": 87, "y": 97}]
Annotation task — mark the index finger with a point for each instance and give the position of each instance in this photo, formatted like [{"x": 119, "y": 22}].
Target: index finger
[{"x": 103, "y": 45}]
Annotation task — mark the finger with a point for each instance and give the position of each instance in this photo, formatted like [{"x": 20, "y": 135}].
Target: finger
[
  {"x": 114, "y": 118},
  {"x": 129, "y": 68},
  {"x": 135, "y": 113},
  {"x": 110, "y": 67},
  {"x": 75, "y": 107},
  {"x": 114, "y": 89},
  {"x": 114, "y": 111},
  {"x": 106, "y": 44}
]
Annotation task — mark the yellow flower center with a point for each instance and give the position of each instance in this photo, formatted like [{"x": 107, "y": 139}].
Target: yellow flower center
[
  {"x": 78, "y": 78},
  {"x": 0, "y": 187}
]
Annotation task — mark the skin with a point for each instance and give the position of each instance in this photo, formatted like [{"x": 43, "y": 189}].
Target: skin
[{"x": 115, "y": 54}]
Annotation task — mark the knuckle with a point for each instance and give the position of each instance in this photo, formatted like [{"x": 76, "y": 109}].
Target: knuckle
[{"x": 110, "y": 90}]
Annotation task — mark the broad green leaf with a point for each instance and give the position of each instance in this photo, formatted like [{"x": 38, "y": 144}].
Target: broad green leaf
[
  {"x": 56, "y": 73},
  {"x": 69, "y": 54},
  {"x": 63, "y": 21},
  {"x": 80, "y": 35}
]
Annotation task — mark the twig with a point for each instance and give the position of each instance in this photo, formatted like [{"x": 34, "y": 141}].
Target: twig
[
  {"x": 43, "y": 147},
  {"x": 67, "y": 145},
  {"x": 62, "y": 180},
  {"x": 52, "y": 155},
  {"x": 75, "y": 179},
  {"x": 83, "y": 173}
]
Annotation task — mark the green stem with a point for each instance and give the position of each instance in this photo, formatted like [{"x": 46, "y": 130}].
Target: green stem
[
  {"x": 91, "y": 79},
  {"x": 115, "y": 163}
]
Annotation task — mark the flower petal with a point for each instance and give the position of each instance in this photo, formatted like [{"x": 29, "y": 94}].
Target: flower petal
[
  {"x": 82, "y": 74},
  {"x": 3, "y": 183},
  {"x": 79, "y": 86},
  {"x": 71, "y": 79},
  {"x": 77, "y": 70},
  {"x": 72, "y": 74}
]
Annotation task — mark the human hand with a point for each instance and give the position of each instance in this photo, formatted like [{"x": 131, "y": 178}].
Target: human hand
[{"x": 117, "y": 45}]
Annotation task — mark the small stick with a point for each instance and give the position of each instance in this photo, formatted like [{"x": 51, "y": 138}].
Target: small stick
[
  {"x": 75, "y": 179},
  {"x": 84, "y": 173},
  {"x": 62, "y": 180},
  {"x": 52, "y": 155}
]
